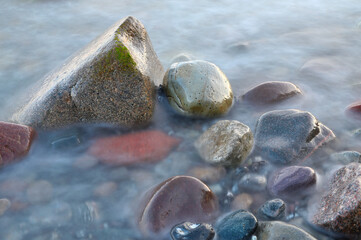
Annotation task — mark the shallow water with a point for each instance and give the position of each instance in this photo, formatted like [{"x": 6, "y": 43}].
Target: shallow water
[{"x": 251, "y": 42}]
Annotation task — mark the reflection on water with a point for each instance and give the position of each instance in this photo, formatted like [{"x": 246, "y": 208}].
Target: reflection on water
[{"x": 314, "y": 44}]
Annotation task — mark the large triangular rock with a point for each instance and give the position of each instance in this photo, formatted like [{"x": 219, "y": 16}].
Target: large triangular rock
[{"x": 110, "y": 81}]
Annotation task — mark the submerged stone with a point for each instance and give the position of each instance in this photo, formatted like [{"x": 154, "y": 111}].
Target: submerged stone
[
  {"x": 253, "y": 182},
  {"x": 178, "y": 199},
  {"x": 285, "y": 136},
  {"x": 340, "y": 207},
  {"x": 271, "y": 92},
  {"x": 4, "y": 205},
  {"x": 346, "y": 157},
  {"x": 272, "y": 210},
  {"x": 15, "y": 141},
  {"x": 276, "y": 230},
  {"x": 198, "y": 88},
  {"x": 225, "y": 143},
  {"x": 110, "y": 81},
  {"x": 238, "y": 225},
  {"x": 192, "y": 231},
  {"x": 134, "y": 148}
]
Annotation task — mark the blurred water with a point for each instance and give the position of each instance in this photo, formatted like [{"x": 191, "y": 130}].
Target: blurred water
[{"x": 251, "y": 41}]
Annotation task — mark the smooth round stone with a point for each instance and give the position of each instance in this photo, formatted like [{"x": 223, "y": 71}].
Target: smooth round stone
[
  {"x": 276, "y": 230},
  {"x": 183, "y": 57},
  {"x": 292, "y": 182},
  {"x": 225, "y": 143},
  {"x": 192, "y": 231},
  {"x": 272, "y": 210},
  {"x": 238, "y": 225},
  {"x": 271, "y": 92},
  {"x": 178, "y": 199},
  {"x": 4, "y": 205},
  {"x": 39, "y": 192},
  {"x": 355, "y": 109},
  {"x": 346, "y": 157},
  {"x": 253, "y": 182},
  {"x": 198, "y": 88}
]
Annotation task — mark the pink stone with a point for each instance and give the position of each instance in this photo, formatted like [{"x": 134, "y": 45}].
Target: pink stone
[
  {"x": 15, "y": 141},
  {"x": 140, "y": 147},
  {"x": 178, "y": 199},
  {"x": 355, "y": 108}
]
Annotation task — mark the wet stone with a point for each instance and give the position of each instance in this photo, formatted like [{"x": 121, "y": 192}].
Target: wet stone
[
  {"x": 198, "y": 89},
  {"x": 192, "y": 231},
  {"x": 134, "y": 148},
  {"x": 183, "y": 57},
  {"x": 253, "y": 182},
  {"x": 346, "y": 157},
  {"x": 287, "y": 136},
  {"x": 178, "y": 199},
  {"x": 225, "y": 143},
  {"x": 271, "y": 92},
  {"x": 355, "y": 109},
  {"x": 242, "y": 201},
  {"x": 15, "y": 141},
  {"x": 292, "y": 182},
  {"x": 272, "y": 210},
  {"x": 276, "y": 230},
  {"x": 4, "y": 205},
  {"x": 110, "y": 81},
  {"x": 238, "y": 225},
  {"x": 208, "y": 174},
  {"x": 39, "y": 191},
  {"x": 340, "y": 206}
]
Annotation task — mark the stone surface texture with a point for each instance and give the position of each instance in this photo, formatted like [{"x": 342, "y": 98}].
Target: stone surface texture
[
  {"x": 192, "y": 231},
  {"x": 225, "y": 143},
  {"x": 272, "y": 210},
  {"x": 178, "y": 199},
  {"x": 340, "y": 207},
  {"x": 276, "y": 230},
  {"x": 15, "y": 141},
  {"x": 141, "y": 147},
  {"x": 286, "y": 136},
  {"x": 238, "y": 225},
  {"x": 271, "y": 92},
  {"x": 292, "y": 182},
  {"x": 198, "y": 89},
  {"x": 110, "y": 81}
]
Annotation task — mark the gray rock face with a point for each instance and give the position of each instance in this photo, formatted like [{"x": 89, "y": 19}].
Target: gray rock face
[
  {"x": 285, "y": 136},
  {"x": 340, "y": 208},
  {"x": 276, "y": 230},
  {"x": 110, "y": 81},
  {"x": 198, "y": 88},
  {"x": 225, "y": 143}
]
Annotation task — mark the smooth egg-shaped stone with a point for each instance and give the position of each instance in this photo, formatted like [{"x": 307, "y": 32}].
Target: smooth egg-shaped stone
[
  {"x": 178, "y": 199},
  {"x": 271, "y": 92},
  {"x": 198, "y": 89}
]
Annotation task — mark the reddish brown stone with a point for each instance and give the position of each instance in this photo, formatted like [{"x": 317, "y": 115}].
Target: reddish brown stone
[
  {"x": 178, "y": 199},
  {"x": 15, "y": 141},
  {"x": 140, "y": 147},
  {"x": 355, "y": 109},
  {"x": 271, "y": 92}
]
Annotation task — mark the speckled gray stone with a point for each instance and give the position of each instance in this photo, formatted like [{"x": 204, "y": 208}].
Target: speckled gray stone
[
  {"x": 225, "y": 143},
  {"x": 110, "y": 81},
  {"x": 276, "y": 230},
  {"x": 198, "y": 88},
  {"x": 286, "y": 136}
]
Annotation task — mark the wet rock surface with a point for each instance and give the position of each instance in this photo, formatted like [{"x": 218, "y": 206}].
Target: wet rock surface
[
  {"x": 134, "y": 148},
  {"x": 15, "y": 141},
  {"x": 271, "y": 92},
  {"x": 252, "y": 182},
  {"x": 238, "y": 225},
  {"x": 198, "y": 88},
  {"x": 274, "y": 209},
  {"x": 192, "y": 231},
  {"x": 346, "y": 157},
  {"x": 110, "y": 81},
  {"x": 340, "y": 207},
  {"x": 286, "y": 136},
  {"x": 180, "y": 198},
  {"x": 225, "y": 143},
  {"x": 276, "y": 230},
  {"x": 292, "y": 182}
]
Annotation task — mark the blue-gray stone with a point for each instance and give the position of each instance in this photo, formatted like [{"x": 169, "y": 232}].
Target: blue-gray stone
[
  {"x": 346, "y": 157},
  {"x": 285, "y": 136},
  {"x": 192, "y": 231},
  {"x": 237, "y": 225},
  {"x": 276, "y": 230},
  {"x": 272, "y": 210}
]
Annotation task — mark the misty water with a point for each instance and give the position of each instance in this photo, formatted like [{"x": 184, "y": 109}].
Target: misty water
[{"x": 314, "y": 44}]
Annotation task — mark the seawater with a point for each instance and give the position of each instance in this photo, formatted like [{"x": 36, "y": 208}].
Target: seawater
[{"x": 315, "y": 44}]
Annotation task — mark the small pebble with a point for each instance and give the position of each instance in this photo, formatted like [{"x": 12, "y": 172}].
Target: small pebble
[
  {"x": 242, "y": 201},
  {"x": 39, "y": 192},
  {"x": 192, "y": 231},
  {"x": 272, "y": 210}
]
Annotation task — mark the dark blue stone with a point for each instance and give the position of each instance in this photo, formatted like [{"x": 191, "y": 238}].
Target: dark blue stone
[
  {"x": 272, "y": 210},
  {"x": 192, "y": 231},
  {"x": 237, "y": 225}
]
